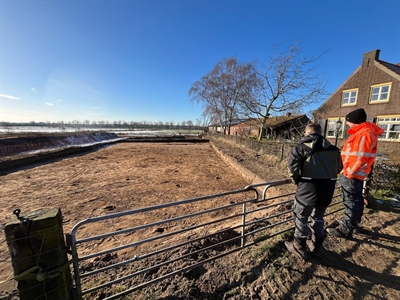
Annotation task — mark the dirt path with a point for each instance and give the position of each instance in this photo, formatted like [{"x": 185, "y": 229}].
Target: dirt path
[{"x": 131, "y": 175}]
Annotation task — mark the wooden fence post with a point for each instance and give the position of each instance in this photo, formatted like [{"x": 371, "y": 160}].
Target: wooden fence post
[{"x": 39, "y": 257}]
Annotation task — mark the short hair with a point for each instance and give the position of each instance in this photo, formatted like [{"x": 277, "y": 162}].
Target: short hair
[{"x": 313, "y": 128}]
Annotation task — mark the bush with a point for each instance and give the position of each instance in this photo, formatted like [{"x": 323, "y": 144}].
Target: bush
[
  {"x": 386, "y": 170},
  {"x": 386, "y": 176}
]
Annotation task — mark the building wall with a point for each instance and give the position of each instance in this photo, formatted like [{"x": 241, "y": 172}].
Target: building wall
[
  {"x": 244, "y": 129},
  {"x": 371, "y": 72},
  {"x": 368, "y": 74}
]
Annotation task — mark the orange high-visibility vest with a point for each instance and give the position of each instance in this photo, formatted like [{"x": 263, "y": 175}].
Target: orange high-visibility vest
[{"x": 359, "y": 151}]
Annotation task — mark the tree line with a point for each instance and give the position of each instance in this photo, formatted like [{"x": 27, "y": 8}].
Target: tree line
[
  {"x": 143, "y": 125},
  {"x": 288, "y": 82}
]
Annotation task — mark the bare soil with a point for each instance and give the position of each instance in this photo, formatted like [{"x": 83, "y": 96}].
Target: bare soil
[{"x": 125, "y": 176}]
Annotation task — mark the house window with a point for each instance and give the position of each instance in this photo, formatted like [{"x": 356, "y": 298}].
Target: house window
[
  {"x": 349, "y": 97},
  {"x": 331, "y": 128},
  {"x": 391, "y": 125},
  {"x": 380, "y": 93}
]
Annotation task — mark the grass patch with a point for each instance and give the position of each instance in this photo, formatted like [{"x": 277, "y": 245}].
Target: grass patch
[
  {"x": 271, "y": 273},
  {"x": 233, "y": 292}
]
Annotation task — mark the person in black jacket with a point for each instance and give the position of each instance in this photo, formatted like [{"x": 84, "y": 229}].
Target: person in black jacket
[{"x": 314, "y": 165}]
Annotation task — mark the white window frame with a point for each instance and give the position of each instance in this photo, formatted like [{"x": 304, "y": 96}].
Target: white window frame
[
  {"x": 391, "y": 125},
  {"x": 347, "y": 94},
  {"x": 331, "y": 127},
  {"x": 379, "y": 93}
]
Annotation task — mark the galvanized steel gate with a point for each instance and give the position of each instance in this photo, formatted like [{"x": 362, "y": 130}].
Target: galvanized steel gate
[{"x": 142, "y": 251}]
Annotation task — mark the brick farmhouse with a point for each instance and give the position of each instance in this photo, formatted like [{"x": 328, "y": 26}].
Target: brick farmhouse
[{"x": 374, "y": 86}]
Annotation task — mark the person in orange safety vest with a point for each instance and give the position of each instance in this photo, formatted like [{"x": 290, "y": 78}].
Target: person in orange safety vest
[{"x": 358, "y": 155}]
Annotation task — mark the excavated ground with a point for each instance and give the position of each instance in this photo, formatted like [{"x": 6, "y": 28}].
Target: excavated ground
[{"x": 125, "y": 176}]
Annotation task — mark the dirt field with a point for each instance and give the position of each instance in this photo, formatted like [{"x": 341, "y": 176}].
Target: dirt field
[{"x": 131, "y": 175}]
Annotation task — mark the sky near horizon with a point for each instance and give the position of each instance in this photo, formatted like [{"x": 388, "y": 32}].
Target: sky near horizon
[{"x": 136, "y": 60}]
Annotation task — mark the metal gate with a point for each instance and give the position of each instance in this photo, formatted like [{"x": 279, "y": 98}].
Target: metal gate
[{"x": 120, "y": 253}]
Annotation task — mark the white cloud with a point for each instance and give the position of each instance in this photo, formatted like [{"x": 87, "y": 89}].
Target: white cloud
[
  {"x": 59, "y": 100},
  {"x": 33, "y": 89},
  {"x": 9, "y": 97},
  {"x": 50, "y": 104}
]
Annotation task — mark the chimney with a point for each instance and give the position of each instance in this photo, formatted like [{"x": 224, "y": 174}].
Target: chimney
[{"x": 369, "y": 57}]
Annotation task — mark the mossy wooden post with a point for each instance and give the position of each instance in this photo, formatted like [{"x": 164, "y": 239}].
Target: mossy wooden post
[{"x": 39, "y": 257}]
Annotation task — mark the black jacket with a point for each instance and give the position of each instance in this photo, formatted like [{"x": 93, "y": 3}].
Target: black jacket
[{"x": 314, "y": 165}]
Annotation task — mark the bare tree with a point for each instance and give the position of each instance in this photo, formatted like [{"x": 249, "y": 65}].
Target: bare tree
[
  {"x": 287, "y": 83},
  {"x": 220, "y": 90}
]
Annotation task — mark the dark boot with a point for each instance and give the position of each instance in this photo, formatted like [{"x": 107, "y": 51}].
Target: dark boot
[
  {"x": 298, "y": 247},
  {"x": 339, "y": 231},
  {"x": 315, "y": 245}
]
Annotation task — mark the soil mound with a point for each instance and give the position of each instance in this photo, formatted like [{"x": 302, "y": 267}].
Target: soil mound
[{"x": 29, "y": 148}]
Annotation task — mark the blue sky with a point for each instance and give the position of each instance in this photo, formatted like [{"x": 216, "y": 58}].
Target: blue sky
[{"x": 136, "y": 60}]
